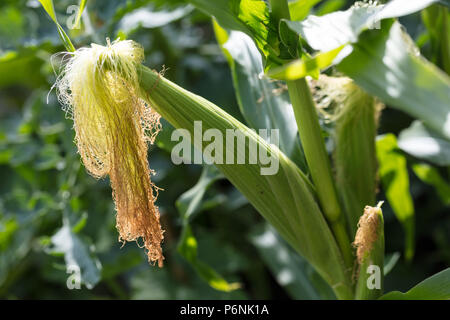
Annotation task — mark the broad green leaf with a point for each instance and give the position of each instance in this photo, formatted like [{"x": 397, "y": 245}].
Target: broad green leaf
[
  {"x": 431, "y": 176},
  {"x": 50, "y": 9},
  {"x": 336, "y": 29},
  {"x": 307, "y": 66},
  {"x": 299, "y": 9},
  {"x": 285, "y": 198},
  {"x": 76, "y": 255},
  {"x": 263, "y": 103},
  {"x": 422, "y": 143},
  {"x": 394, "y": 177},
  {"x": 249, "y": 16},
  {"x": 436, "y": 287},
  {"x": 329, "y": 34},
  {"x": 290, "y": 270},
  {"x": 386, "y": 64},
  {"x": 342, "y": 27}
]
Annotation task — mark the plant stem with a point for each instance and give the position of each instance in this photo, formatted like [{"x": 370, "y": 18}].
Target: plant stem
[
  {"x": 315, "y": 151},
  {"x": 318, "y": 162}
]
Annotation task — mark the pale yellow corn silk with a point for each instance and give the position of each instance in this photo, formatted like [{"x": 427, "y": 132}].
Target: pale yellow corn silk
[
  {"x": 367, "y": 232},
  {"x": 99, "y": 89},
  {"x": 336, "y": 97}
]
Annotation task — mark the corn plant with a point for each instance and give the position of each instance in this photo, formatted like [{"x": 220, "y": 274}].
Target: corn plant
[{"x": 322, "y": 81}]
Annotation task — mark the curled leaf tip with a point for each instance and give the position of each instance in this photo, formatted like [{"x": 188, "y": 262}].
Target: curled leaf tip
[{"x": 99, "y": 89}]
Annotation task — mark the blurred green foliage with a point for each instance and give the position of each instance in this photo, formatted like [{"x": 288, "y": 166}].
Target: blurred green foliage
[{"x": 54, "y": 215}]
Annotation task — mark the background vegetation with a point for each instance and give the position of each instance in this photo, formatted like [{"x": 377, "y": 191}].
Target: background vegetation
[{"x": 53, "y": 214}]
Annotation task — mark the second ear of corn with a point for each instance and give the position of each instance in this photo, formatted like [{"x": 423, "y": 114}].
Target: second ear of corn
[{"x": 369, "y": 244}]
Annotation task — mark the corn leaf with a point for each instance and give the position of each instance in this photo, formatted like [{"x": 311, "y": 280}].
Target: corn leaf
[
  {"x": 249, "y": 16},
  {"x": 50, "y": 9},
  {"x": 299, "y": 9},
  {"x": 307, "y": 66},
  {"x": 339, "y": 28},
  {"x": 384, "y": 60},
  {"x": 424, "y": 144},
  {"x": 394, "y": 177},
  {"x": 436, "y": 287},
  {"x": 263, "y": 103},
  {"x": 385, "y": 64},
  {"x": 81, "y": 7}
]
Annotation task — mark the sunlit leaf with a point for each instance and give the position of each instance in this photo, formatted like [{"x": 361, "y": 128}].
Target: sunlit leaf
[
  {"x": 394, "y": 177},
  {"x": 386, "y": 64},
  {"x": 81, "y": 7},
  {"x": 50, "y": 9},
  {"x": 299, "y": 9},
  {"x": 249, "y": 16},
  {"x": 422, "y": 143},
  {"x": 306, "y": 66},
  {"x": 264, "y": 104},
  {"x": 342, "y": 27}
]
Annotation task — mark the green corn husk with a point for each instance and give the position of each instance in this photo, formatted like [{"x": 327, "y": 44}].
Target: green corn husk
[
  {"x": 355, "y": 119},
  {"x": 286, "y": 199},
  {"x": 369, "y": 242}
]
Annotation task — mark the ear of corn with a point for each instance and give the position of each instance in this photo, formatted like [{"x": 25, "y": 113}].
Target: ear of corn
[
  {"x": 104, "y": 88},
  {"x": 369, "y": 243},
  {"x": 285, "y": 199},
  {"x": 100, "y": 91},
  {"x": 355, "y": 117}
]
